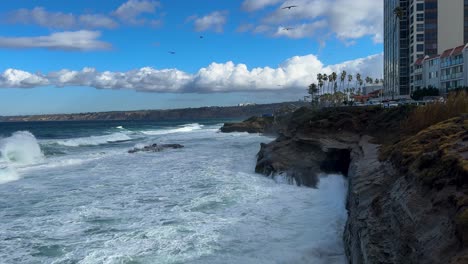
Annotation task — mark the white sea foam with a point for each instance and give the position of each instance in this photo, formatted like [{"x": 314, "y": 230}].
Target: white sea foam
[
  {"x": 120, "y": 127},
  {"x": 101, "y": 205},
  {"x": 181, "y": 129},
  {"x": 8, "y": 174},
  {"x": 20, "y": 149},
  {"x": 94, "y": 140}
]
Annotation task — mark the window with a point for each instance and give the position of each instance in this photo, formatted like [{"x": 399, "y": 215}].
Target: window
[
  {"x": 420, "y": 37},
  {"x": 420, "y": 7},
  {"x": 420, "y": 17},
  {"x": 419, "y": 27},
  {"x": 420, "y": 47}
]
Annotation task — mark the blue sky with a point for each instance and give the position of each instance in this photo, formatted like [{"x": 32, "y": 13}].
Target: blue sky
[{"x": 83, "y": 56}]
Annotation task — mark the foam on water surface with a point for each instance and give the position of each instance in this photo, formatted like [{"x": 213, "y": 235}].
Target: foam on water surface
[{"x": 202, "y": 204}]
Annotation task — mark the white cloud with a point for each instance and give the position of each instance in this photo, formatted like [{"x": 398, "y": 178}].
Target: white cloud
[
  {"x": 42, "y": 17},
  {"x": 294, "y": 73},
  {"x": 144, "y": 79},
  {"x": 301, "y": 31},
  {"x": 12, "y": 78},
  {"x": 69, "y": 40},
  {"x": 132, "y": 10},
  {"x": 346, "y": 19},
  {"x": 58, "y": 20},
  {"x": 97, "y": 21},
  {"x": 214, "y": 21},
  {"x": 253, "y": 5}
]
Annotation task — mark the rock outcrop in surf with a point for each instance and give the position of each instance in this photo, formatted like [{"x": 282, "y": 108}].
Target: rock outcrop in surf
[{"x": 155, "y": 148}]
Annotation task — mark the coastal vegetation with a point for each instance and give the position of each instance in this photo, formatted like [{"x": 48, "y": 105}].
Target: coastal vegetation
[{"x": 327, "y": 91}]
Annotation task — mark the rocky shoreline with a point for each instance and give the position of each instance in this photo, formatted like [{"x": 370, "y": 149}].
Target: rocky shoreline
[{"x": 398, "y": 211}]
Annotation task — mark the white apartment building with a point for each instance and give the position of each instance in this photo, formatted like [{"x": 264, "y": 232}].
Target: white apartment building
[{"x": 446, "y": 71}]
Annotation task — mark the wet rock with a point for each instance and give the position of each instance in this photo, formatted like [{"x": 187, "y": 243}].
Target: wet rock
[{"x": 155, "y": 148}]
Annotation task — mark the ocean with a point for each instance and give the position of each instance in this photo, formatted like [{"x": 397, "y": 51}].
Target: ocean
[{"x": 71, "y": 193}]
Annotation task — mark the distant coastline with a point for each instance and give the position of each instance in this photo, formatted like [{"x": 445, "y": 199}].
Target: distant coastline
[{"x": 160, "y": 115}]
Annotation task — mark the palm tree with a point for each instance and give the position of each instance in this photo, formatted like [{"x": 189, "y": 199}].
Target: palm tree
[
  {"x": 358, "y": 78},
  {"x": 334, "y": 77},
  {"x": 342, "y": 79},
  {"x": 350, "y": 79},
  {"x": 319, "y": 80},
  {"x": 399, "y": 13},
  {"x": 325, "y": 78},
  {"x": 312, "y": 91}
]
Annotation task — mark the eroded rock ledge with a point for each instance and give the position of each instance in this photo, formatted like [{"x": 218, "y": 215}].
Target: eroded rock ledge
[
  {"x": 254, "y": 124},
  {"x": 407, "y": 203}
]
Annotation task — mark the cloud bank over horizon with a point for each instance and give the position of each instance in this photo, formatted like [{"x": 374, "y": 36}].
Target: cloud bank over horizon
[{"x": 294, "y": 73}]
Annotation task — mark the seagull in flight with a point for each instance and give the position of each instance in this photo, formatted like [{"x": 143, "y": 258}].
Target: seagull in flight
[
  {"x": 289, "y": 7},
  {"x": 288, "y": 28},
  {"x": 201, "y": 37},
  {"x": 172, "y": 52}
]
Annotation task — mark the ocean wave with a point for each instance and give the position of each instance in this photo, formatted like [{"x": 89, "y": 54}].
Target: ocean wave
[
  {"x": 181, "y": 129},
  {"x": 94, "y": 140},
  {"x": 20, "y": 149}
]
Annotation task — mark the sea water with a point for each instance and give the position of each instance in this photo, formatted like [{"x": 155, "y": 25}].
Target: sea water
[{"x": 71, "y": 193}]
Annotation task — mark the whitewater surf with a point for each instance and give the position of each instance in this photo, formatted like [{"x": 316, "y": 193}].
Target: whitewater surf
[{"x": 71, "y": 193}]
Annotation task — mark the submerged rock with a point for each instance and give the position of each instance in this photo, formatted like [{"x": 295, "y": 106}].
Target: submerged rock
[{"x": 156, "y": 148}]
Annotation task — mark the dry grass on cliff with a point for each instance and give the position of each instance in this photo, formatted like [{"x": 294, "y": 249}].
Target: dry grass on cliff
[{"x": 424, "y": 117}]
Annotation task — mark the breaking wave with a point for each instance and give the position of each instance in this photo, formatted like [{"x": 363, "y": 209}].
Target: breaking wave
[
  {"x": 20, "y": 149},
  {"x": 94, "y": 140},
  {"x": 181, "y": 129}
]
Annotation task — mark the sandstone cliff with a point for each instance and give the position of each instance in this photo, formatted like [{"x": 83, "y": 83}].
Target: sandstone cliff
[{"x": 407, "y": 200}]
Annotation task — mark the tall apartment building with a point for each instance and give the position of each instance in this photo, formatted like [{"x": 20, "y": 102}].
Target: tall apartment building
[
  {"x": 396, "y": 49},
  {"x": 427, "y": 28}
]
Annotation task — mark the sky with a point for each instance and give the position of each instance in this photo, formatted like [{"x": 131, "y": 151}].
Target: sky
[{"x": 86, "y": 56}]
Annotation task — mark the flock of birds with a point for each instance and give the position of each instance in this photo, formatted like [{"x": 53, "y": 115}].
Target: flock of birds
[{"x": 284, "y": 28}]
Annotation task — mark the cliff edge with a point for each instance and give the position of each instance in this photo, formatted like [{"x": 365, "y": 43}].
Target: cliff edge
[{"x": 408, "y": 193}]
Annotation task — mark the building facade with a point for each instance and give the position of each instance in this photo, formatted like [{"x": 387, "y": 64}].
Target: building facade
[
  {"x": 396, "y": 49},
  {"x": 446, "y": 71},
  {"x": 427, "y": 28}
]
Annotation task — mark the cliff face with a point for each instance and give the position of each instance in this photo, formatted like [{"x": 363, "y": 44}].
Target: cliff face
[{"x": 407, "y": 203}]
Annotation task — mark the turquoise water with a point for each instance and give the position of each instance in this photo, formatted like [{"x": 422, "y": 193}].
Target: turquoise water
[{"x": 70, "y": 193}]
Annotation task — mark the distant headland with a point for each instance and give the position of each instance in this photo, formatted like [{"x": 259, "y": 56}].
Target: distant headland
[{"x": 240, "y": 111}]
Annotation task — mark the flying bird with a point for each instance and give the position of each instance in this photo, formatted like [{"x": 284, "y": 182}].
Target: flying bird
[
  {"x": 201, "y": 37},
  {"x": 172, "y": 52},
  {"x": 288, "y": 28},
  {"x": 289, "y": 7}
]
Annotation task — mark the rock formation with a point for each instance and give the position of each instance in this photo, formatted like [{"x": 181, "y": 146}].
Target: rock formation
[
  {"x": 155, "y": 148},
  {"x": 407, "y": 201},
  {"x": 252, "y": 125}
]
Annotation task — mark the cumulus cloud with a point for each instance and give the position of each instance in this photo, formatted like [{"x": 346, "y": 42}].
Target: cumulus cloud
[
  {"x": 12, "y": 78},
  {"x": 294, "y": 73},
  {"x": 132, "y": 10},
  {"x": 82, "y": 40},
  {"x": 145, "y": 79},
  {"x": 214, "y": 21},
  {"x": 346, "y": 19}
]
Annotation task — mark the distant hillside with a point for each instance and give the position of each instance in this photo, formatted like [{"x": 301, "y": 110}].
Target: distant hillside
[{"x": 161, "y": 115}]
